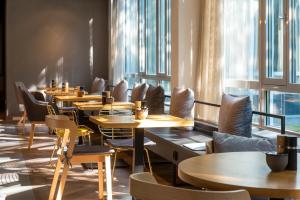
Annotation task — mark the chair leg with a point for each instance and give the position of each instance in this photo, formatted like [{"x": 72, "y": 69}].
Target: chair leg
[
  {"x": 149, "y": 163},
  {"x": 101, "y": 180},
  {"x": 114, "y": 164},
  {"x": 62, "y": 181},
  {"x": 55, "y": 149},
  {"x": 55, "y": 180},
  {"x": 24, "y": 121},
  {"x": 108, "y": 178},
  {"x": 30, "y": 141}
]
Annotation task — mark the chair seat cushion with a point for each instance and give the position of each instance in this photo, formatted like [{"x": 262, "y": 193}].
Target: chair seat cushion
[
  {"x": 127, "y": 143},
  {"x": 81, "y": 131},
  {"x": 95, "y": 149}
]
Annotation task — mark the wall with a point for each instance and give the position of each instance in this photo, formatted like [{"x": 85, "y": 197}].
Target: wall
[
  {"x": 50, "y": 39},
  {"x": 185, "y": 42}
]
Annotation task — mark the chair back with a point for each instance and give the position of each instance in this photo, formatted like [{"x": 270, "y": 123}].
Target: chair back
[
  {"x": 36, "y": 110},
  {"x": 98, "y": 86},
  {"x": 139, "y": 92},
  {"x": 19, "y": 97},
  {"x": 120, "y": 92},
  {"x": 64, "y": 123},
  {"x": 155, "y": 98},
  {"x": 143, "y": 186}
]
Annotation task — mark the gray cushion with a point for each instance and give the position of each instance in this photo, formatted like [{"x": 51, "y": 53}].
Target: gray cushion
[
  {"x": 155, "y": 98},
  {"x": 139, "y": 91},
  {"x": 182, "y": 103},
  {"x": 231, "y": 143},
  {"x": 98, "y": 86},
  {"x": 120, "y": 91},
  {"x": 235, "y": 115}
]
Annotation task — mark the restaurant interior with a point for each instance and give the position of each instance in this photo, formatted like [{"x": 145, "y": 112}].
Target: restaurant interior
[{"x": 149, "y": 99}]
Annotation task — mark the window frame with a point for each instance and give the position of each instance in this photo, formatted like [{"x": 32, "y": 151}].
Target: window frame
[
  {"x": 158, "y": 77},
  {"x": 264, "y": 84}
]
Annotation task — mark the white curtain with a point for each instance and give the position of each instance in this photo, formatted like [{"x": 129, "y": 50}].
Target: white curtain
[
  {"x": 209, "y": 77},
  {"x": 117, "y": 42}
]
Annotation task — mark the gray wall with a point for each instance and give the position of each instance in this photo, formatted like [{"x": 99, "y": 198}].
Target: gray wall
[{"x": 50, "y": 39}]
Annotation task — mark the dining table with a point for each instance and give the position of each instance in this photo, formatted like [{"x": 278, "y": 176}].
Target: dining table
[
  {"x": 240, "y": 170},
  {"x": 73, "y": 98},
  {"x": 129, "y": 121},
  {"x": 92, "y": 106}
]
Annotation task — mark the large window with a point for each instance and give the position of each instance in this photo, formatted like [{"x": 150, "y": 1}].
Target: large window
[
  {"x": 147, "y": 39},
  {"x": 261, "y": 45}
]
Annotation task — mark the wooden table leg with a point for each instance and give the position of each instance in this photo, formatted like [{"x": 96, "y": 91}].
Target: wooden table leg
[{"x": 138, "y": 154}]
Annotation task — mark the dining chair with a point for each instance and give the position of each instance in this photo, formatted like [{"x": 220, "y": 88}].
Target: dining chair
[
  {"x": 98, "y": 86},
  {"x": 35, "y": 110},
  {"x": 71, "y": 154},
  {"x": 120, "y": 91},
  {"x": 20, "y": 102},
  {"x": 121, "y": 140},
  {"x": 82, "y": 131},
  {"x": 143, "y": 186}
]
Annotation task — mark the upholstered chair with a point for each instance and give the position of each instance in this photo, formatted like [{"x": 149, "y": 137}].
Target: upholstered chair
[
  {"x": 120, "y": 92},
  {"x": 139, "y": 92},
  {"x": 143, "y": 186},
  {"x": 98, "y": 86},
  {"x": 155, "y": 98},
  {"x": 36, "y": 111}
]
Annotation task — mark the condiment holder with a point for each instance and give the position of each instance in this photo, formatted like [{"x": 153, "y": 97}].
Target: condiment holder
[
  {"x": 141, "y": 110},
  {"x": 286, "y": 156},
  {"x": 80, "y": 93}
]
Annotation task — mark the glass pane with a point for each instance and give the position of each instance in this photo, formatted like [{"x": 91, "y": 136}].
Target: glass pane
[
  {"x": 151, "y": 36},
  {"x": 150, "y": 82},
  {"x": 287, "y": 104},
  {"x": 167, "y": 87},
  {"x": 274, "y": 38},
  {"x": 162, "y": 36},
  {"x": 142, "y": 44},
  {"x": 169, "y": 22},
  {"x": 241, "y": 50},
  {"x": 254, "y": 97},
  {"x": 294, "y": 41},
  {"x": 131, "y": 37}
]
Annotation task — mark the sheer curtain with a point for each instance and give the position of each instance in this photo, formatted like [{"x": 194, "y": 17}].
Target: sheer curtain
[
  {"x": 209, "y": 84},
  {"x": 117, "y": 41},
  {"x": 228, "y": 51}
]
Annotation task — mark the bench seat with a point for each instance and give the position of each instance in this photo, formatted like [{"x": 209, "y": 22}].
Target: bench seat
[{"x": 169, "y": 143}]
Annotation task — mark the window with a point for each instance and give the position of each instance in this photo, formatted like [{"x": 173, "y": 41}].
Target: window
[
  {"x": 240, "y": 36},
  {"x": 147, "y": 39},
  {"x": 265, "y": 34}
]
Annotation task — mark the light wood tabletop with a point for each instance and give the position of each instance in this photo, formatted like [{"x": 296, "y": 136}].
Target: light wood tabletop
[
  {"x": 152, "y": 121},
  {"x": 98, "y": 106},
  {"x": 59, "y": 92},
  {"x": 72, "y": 98},
  {"x": 240, "y": 170}
]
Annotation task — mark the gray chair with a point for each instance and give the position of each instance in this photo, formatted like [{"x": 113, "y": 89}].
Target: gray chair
[
  {"x": 120, "y": 92},
  {"x": 98, "y": 86},
  {"x": 139, "y": 92},
  {"x": 20, "y": 103},
  {"x": 36, "y": 111},
  {"x": 143, "y": 186},
  {"x": 155, "y": 98}
]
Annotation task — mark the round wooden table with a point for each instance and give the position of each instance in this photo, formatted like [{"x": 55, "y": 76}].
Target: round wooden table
[{"x": 240, "y": 170}]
